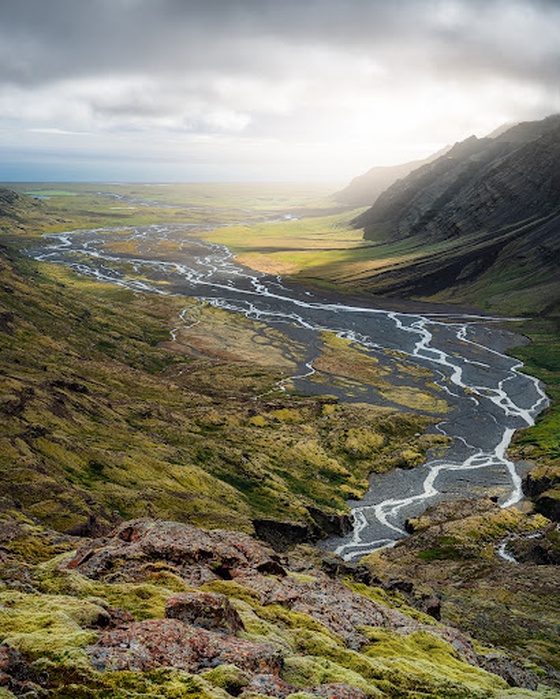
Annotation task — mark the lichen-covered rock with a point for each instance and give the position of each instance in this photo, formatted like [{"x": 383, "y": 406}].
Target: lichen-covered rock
[
  {"x": 16, "y": 676},
  {"x": 197, "y": 634},
  {"x": 9, "y": 662},
  {"x": 270, "y": 686},
  {"x": 338, "y": 691},
  {"x": 147, "y": 645},
  {"x": 511, "y": 672},
  {"x": 199, "y": 556},
  {"x": 329, "y": 602},
  {"x": 206, "y": 610}
]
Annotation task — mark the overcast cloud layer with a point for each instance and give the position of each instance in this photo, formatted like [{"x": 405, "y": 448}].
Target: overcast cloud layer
[{"x": 262, "y": 89}]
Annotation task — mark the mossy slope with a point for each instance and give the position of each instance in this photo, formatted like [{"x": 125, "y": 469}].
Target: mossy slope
[
  {"x": 50, "y": 629},
  {"x": 103, "y": 418}
]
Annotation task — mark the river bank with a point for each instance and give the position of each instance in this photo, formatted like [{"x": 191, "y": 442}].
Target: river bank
[{"x": 488, "y": 396}]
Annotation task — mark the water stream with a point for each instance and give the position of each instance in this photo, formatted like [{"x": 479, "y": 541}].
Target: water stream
[{"x": 490, "y": 397}]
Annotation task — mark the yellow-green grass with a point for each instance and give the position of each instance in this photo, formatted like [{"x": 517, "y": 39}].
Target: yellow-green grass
[
  {"x": 87, "y": 205},
  {"x": 257, "y": 195},
  {"x": 391, "y": 379},
  {"x": 290, "y": 246}
]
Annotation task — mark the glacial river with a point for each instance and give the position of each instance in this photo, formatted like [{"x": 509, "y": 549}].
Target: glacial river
[{"x": 490, "y": 397}]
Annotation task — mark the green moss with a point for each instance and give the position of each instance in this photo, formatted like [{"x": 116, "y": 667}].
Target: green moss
[
  {"x": 283, "y": 616},
  {"x": 47, "y": 625},
  {"x": 311, "y": 671},
  {"x": 233, "y": 589},
  {"x": 447, "y": 550},
  {"x": 159, "y": 684},
  {"x": 228, "y": 677},
  {"x": 392, "y": 600},
  {"x": 426, "y": 653}
]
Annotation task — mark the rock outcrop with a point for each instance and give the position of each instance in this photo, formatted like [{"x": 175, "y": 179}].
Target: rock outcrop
[
  {"x": 202, "y": 629},
  {"x": 146, "y": 645},
  {"x": 206, "y": 610}
]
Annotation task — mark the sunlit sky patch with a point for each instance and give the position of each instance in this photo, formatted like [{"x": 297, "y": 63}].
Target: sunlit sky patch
[{"x": 187, "y": 90}]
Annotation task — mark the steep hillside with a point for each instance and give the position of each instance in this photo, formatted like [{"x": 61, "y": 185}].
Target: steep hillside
[
  {"x": 483, "y": 222},
  {"x": 18, "y": 213},
  {"x": 479, "y": 185},
  {"x": 365, "y": 189}
]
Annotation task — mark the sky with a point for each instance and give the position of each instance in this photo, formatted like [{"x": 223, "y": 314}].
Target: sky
[{"x": 274, "y": 90}]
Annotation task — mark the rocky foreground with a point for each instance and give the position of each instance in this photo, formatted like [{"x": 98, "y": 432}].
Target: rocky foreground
[{"x": 162, "y": 609}]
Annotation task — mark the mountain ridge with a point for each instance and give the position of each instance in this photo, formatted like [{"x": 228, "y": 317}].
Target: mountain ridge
[
  {"x": 364, "y": 189},
  {"x": 495, "y": 202}
]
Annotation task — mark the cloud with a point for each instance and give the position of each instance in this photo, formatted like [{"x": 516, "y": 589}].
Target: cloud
[{"x": 287, "y": 72}]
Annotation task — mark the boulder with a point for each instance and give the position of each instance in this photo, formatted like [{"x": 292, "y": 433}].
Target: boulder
[
  {"x": 198, "y": 556},
  {"x": 337, "y": 690},
  {"x": 147, "y": 645},
  {"x": 270, "y": 686},
  {"x": 511, "y": 672},
  {"x": 206, "y": 610}
]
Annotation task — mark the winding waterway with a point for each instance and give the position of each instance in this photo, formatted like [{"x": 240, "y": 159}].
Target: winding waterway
[{"x": 490, "y": 397}]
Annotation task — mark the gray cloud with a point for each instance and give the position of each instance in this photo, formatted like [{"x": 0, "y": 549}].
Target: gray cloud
[
  {"x": 50, "y": 40},
  {"x": 292, "y": 70}
]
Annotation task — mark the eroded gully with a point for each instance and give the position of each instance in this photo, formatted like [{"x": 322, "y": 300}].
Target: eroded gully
[{"x": 490, "y": 397}]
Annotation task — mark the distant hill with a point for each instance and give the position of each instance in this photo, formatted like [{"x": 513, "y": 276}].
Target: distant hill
[
  {"x": 488, "y": 208},
  {"x": 365, "y": 189},
  {"x": 17, "y": 210}
]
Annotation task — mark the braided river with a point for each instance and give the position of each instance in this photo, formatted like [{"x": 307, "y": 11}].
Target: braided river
[{"x": 489, "y": 396}]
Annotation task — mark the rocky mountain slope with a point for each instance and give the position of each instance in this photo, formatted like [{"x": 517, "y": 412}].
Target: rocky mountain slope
[
  {"x": 365, "y": 189},
  {"x": 486, "y": 214}
]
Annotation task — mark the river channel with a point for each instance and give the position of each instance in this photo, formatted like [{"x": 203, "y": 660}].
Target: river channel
[{"x": 490, "y": 397}]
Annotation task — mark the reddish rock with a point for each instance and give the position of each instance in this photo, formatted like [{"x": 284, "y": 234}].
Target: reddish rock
[
  {"x": 119, "y": 617},
  {"x": 330, "y": 602},
  {"x": 196, "y": 555},
  {"x": 146, "y": 645},
  {"x": 270, "y": 686},
  {"x": 513, "y": 673},
  {"x": 206, "y": 610},
  {"x": 17, "y": 676}
]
